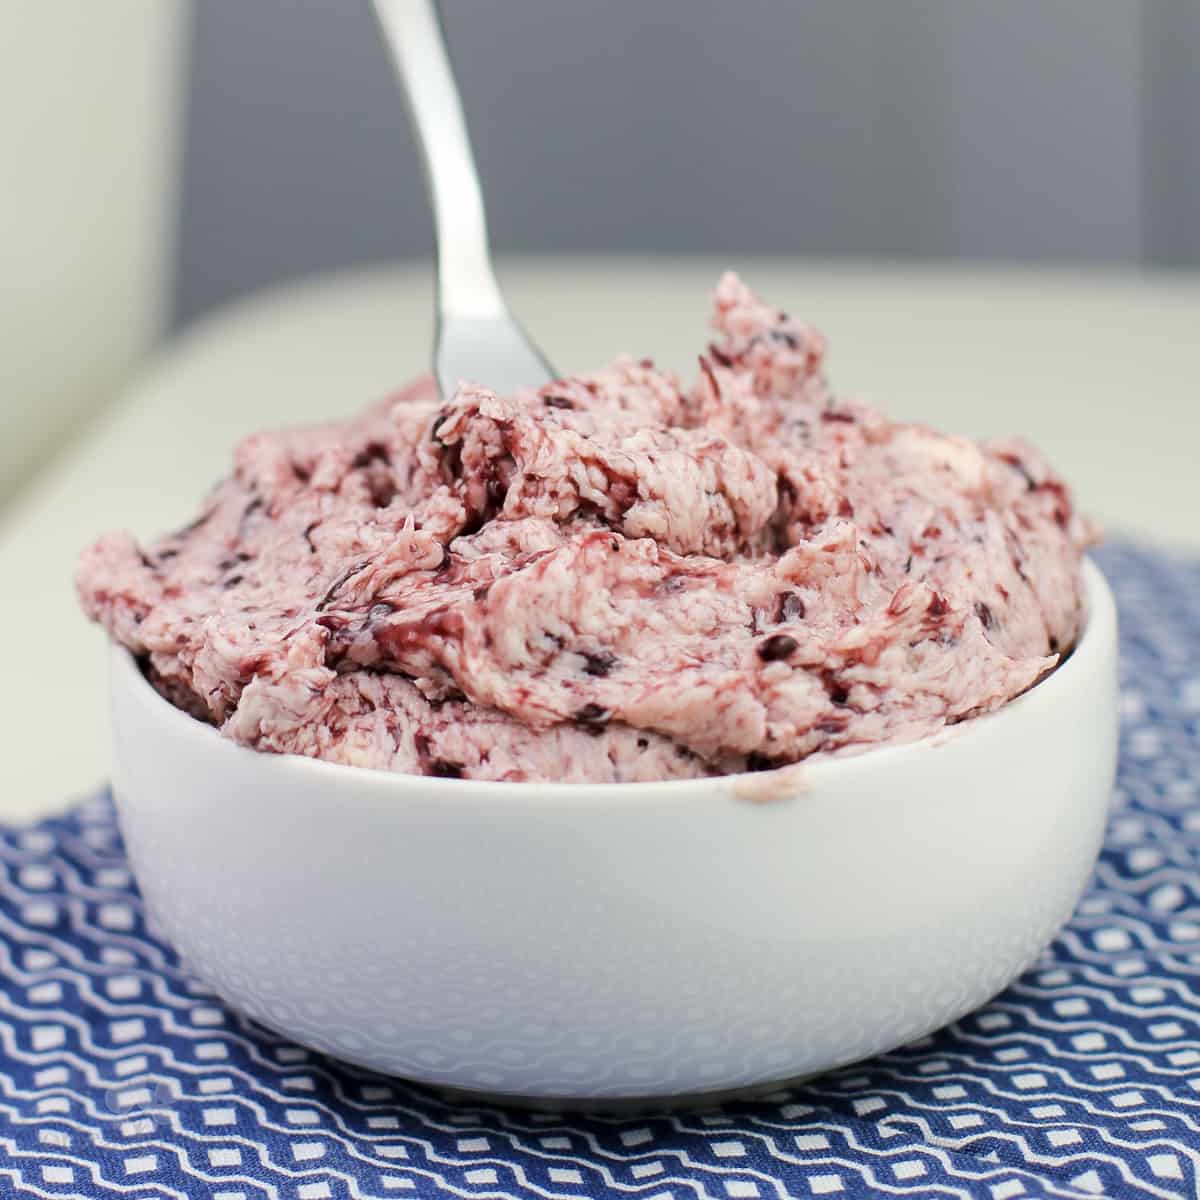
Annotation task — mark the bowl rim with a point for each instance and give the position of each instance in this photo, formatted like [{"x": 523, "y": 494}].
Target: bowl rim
[{"x": 1100, "y": 619}]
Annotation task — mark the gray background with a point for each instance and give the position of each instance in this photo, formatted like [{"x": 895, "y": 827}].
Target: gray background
[{"x": 1065, "y": 130}]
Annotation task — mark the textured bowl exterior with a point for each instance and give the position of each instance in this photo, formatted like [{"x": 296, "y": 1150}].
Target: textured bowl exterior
[{"x": 634, "y": 940}]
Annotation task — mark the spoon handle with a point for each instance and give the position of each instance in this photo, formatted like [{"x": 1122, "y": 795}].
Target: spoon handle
[{"x": 466, "y": 286}]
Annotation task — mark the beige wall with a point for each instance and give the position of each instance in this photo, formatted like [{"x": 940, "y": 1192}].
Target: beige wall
[{"x": 88, "y": 134}]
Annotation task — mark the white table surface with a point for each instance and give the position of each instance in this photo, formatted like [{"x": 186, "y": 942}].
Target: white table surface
[{"x": 1102, "y": 370}]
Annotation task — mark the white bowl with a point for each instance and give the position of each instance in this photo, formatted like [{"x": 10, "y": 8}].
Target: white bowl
[{"x": 590, "y": 942}]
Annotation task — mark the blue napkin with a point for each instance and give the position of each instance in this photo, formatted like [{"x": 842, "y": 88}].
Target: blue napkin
[{"x": 122, "y": 1076}]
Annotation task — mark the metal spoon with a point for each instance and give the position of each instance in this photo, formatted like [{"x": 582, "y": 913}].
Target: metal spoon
[{"x": 476, "y": 337}]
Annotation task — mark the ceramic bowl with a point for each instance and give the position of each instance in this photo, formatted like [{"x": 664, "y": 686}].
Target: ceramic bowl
[{"x": 607, "y": 942}]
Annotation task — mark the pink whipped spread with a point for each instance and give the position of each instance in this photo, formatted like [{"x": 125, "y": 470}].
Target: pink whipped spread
[{"x": 615, "y": 577}]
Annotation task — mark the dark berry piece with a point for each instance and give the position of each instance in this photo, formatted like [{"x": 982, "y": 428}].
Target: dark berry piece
[
  {"x": 832, "y": 725},
  {"x": 433, "y": 428},
  {"x": 372, "y": 452},
  {"x": 792, "y": 608},
  {"x": 591, "y": 714},
  {"x": 336, "y": 586},
  {"x": 599, "y": 663},
  {"x": 776, "y": 647},
  {"x": 1022, "y": 470},
  {"x": 254, "y": 506},
  {"x": 756, "y": 761}
]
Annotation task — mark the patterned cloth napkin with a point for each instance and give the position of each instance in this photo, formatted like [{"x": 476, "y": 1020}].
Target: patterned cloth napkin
[{"x": 122, "y": 1076}]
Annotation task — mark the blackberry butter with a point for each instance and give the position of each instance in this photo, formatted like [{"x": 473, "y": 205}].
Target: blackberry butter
[{"x": 614, "y": 578}]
